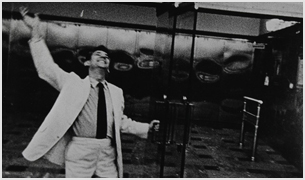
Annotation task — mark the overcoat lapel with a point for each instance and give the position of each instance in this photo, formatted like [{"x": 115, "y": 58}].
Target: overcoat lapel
[{"x": 117, "y": 97}]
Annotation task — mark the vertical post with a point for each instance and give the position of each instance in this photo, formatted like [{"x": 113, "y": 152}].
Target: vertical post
[
  {"x": 163, "y": 143},
  {"x": 154, "y": 139},
  {"x": 242, "y": 131},
  {"x": 255, "y": 133},
  {"x": 173, "y": 123},
  {"x": 187, "y": 104},
  {"x": 171, "y": 58},
  {"x": 191, "y": 71},
  {"x": 187, "y": 123},
  {"x": 254, "y": 143}
]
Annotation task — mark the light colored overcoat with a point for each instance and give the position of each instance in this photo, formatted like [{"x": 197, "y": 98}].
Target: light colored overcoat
[{"x": 52, "y": 137}]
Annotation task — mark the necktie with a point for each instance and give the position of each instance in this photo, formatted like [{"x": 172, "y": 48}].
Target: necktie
[{"x": 101, "y": 131}]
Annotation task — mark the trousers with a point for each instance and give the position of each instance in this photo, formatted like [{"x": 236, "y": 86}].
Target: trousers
[{"x": 87, "y": 157}]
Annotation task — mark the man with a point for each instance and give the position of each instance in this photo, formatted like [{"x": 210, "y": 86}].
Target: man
[{"x": 82, "y": 130}]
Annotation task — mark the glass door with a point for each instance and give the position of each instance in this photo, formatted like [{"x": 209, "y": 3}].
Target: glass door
[{"x": 174, "y": 47}]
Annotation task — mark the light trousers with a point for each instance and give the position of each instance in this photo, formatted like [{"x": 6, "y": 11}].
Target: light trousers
[{"x": 86, "y": 157}]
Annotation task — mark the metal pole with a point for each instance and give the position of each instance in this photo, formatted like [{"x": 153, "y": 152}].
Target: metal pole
[
  {"x": 187, "y": 124},
  {"x": 255, "y": 133},
  {"x": 163, "y": 144},
  {"x": 188, "y": 119},
  {"x": 242, "y": 131}
]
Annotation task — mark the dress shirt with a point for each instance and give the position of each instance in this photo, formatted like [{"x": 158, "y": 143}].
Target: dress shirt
[{"x": 86, "y": 122}]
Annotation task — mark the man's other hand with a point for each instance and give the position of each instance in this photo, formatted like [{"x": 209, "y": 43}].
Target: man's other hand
[{"x": 154, "y": 125}]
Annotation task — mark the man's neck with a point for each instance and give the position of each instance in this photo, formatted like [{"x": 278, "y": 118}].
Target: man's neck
[{"x": 97, "y": 74}]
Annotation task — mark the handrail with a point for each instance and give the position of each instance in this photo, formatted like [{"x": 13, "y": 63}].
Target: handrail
[{"x": 252, "y": 99}]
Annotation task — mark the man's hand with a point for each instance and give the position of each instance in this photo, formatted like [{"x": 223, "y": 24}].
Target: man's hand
[
  {"x": 154, "y": 125},
  {"x": 31, "y": 22}
]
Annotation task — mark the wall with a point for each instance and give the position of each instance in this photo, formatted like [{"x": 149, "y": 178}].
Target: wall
[
  {"x": 228, "y": 24},
  {"x": 133, "y": 60},
  {"x": 113, "y": 12}
]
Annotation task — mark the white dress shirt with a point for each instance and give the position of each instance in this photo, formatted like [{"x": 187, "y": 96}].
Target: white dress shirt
[{"x": 86, "y": 122}]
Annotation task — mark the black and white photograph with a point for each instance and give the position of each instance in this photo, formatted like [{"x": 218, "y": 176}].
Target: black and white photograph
[{"x": 152, "y": 89}]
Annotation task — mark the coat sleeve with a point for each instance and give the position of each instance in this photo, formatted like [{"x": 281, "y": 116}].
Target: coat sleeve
[
  {"x": 130, "y": 126},
  {"x": 47, "y": 69}
]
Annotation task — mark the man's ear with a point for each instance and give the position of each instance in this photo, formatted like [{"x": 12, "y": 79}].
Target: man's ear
[{"x": 87, "y": 63}]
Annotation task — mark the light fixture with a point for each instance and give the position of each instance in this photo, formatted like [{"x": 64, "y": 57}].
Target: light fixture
[{"x": 277, "y": 24}]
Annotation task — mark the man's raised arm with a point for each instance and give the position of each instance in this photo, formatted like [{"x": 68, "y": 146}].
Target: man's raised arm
[{"x": 47, "y": 69}]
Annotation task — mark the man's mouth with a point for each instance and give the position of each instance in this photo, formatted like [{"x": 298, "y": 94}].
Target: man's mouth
[{"x": 102, "y": 61}]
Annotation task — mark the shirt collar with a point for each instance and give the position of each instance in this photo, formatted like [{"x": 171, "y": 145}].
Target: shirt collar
[{"x": 94, "y": 82}]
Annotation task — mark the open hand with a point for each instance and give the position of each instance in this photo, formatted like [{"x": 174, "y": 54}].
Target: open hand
[{"x": 31, "y": 22}]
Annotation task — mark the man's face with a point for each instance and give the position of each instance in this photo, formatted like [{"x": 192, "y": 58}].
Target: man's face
[{"x": 100, "y": 59}]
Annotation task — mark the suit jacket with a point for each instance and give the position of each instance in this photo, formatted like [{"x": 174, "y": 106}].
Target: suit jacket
[{"x": 52, "y": 137}]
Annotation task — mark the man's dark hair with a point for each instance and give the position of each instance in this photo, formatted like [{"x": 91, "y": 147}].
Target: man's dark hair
[
  {"x": 98, "y": 48},
  {"x": 101, "y": 48}
]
